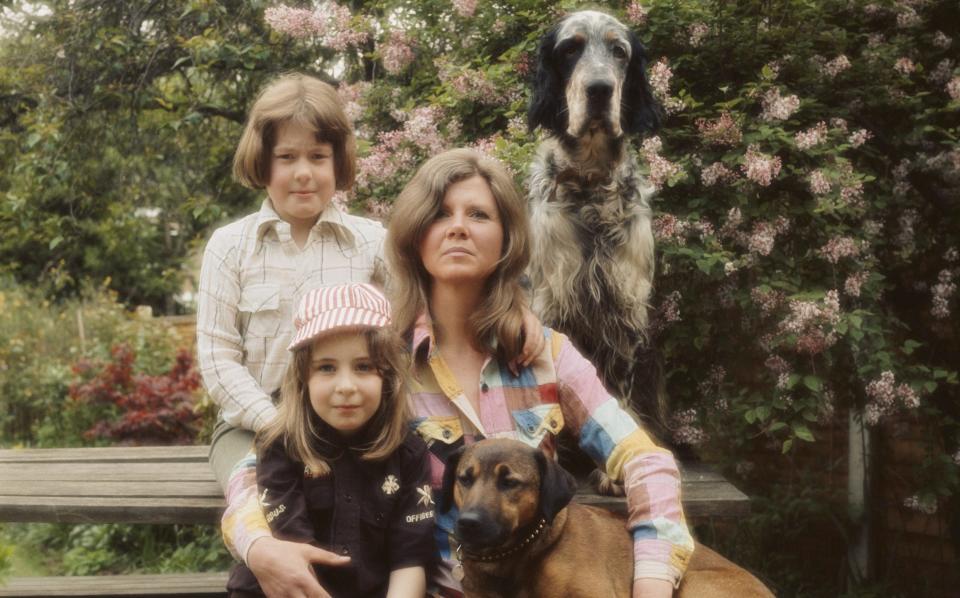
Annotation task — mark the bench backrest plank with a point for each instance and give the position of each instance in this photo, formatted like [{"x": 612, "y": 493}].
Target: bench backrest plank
[{"x": 176, "y": 485}]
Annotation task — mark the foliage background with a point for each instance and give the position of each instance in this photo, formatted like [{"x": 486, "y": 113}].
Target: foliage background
[{"x": 809, "y": 175}]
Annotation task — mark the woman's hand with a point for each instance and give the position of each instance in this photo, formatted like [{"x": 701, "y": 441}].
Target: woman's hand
[
  {"x": 284, "y": 569},
  {"x": 652, "y": 588},
  {"x": 533, "y": 343}
]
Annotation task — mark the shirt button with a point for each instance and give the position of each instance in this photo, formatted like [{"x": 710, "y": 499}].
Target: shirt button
[
  {"x": 484, "y": 387},
  {"x": 446, "y": 433},
  {"x": 553, "y": 423}
]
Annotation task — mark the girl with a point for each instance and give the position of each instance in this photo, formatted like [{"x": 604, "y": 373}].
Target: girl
[
  {"x": 457, "y": 243},
  {"x": 337, "y": 467}
]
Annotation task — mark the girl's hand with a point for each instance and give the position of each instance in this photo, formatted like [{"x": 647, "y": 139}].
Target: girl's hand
[
  {"x": 652, "y": 588},
  {"x": 410, "y": 582},
  {"x": 284, "y": 569},
  {"x": 533, "y": 342}
]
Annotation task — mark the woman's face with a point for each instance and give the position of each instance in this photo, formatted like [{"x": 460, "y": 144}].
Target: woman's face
[{"x": 464, "y": 242}]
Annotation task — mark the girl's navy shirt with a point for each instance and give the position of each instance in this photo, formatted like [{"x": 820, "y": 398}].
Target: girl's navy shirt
[{"x": 379, "y": 513}]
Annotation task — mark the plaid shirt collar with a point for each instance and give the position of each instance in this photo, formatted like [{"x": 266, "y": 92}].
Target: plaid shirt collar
[{"x": 268, "y": 219}]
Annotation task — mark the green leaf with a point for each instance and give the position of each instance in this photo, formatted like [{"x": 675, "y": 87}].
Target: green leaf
[
  {"x": 750, "y": 416},
  {"x": 55, "y": 241},
  {"x": 813, "y": 383},
  {"x": 803, "y": 432},
  {"x": 910, "y": 345},
  {"x": 787, "y": 445}
]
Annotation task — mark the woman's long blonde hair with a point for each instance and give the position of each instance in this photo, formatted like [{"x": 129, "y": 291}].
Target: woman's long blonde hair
[
  {"x": 501, "y": 311},
  {"x": 296, "y": 421}
]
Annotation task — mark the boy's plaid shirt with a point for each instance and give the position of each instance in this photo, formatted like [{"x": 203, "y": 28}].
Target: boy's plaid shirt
[{"x": 559, "y": 389}]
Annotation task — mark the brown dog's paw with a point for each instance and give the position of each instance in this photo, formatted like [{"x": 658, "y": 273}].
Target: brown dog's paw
[{"x": 604, "y": 485}]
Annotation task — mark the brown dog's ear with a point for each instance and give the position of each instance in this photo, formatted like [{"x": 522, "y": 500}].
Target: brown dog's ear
[
  {"x": 449, "y": 479},
  {"x": 557, "y": 487}
]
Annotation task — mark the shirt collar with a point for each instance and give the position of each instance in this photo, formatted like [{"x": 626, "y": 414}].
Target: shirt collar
[{"x": 268, "y": 219}]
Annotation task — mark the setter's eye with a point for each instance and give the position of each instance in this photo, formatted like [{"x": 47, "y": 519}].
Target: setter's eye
[{"x": 619, "y": 53}]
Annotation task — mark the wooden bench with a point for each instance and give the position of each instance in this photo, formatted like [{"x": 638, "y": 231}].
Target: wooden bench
[{"x": 175, "y": 485}]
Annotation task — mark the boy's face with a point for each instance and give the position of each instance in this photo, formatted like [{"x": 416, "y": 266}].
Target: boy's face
[
  {"x": 344, "y": 383},
  {"x": 302, "y": 180}
]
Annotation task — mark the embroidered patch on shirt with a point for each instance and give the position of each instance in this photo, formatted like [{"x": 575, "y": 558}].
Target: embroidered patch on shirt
[
  {"x": 426, "y": 497},
  {"x": 390, "y": 484}
]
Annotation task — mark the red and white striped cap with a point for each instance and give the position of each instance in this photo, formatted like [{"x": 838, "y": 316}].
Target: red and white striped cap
[{"x": 354, "y": 305}]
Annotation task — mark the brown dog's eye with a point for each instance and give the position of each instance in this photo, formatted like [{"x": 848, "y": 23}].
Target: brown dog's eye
[
  {"x": 506, "y": 483},
  {"x": 465, "y": 479}
]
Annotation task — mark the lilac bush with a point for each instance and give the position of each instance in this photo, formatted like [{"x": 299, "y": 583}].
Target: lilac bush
[{"x": 808, "y": 175}]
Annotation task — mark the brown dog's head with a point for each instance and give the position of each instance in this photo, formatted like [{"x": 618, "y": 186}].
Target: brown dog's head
[{"x": 500, "y": 488}]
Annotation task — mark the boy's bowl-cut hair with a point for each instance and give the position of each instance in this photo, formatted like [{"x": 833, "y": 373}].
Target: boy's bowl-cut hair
[{"x": 305, "y": 101}]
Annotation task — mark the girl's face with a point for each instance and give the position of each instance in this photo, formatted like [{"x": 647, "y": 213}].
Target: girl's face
[
  {"x": 465, "y": 241},
  {"x": 345, "y": 387},
  {"x": 302, "y": 180}
]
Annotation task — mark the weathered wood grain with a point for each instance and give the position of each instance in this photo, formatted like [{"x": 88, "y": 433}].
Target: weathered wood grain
[{"x": 201, "y": 585}]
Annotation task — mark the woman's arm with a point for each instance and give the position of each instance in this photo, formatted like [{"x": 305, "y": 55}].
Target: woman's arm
[
  {"x": 610, "y": 435},
  {"x": 409, "y": 582},
  {"x": 242, "y": 402}
]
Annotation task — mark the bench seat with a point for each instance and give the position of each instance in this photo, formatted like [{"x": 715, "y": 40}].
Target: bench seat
[
  {"x": 174, "y": 484},
  {"x": 199, "y": 585}
]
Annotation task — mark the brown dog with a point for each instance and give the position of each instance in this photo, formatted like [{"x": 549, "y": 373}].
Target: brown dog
[{"x": 521, "y": 537}]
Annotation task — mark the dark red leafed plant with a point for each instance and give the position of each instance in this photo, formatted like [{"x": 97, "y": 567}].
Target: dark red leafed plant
[{"x": 139, "y": 408}]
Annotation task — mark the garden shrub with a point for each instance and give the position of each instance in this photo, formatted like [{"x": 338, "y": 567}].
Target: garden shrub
[{"x": 808, "y": 172}]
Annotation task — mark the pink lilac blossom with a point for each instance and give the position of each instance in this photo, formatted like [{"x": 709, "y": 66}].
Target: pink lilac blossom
[
  {"x": 341, "y": 201},
  {"x": 729, "y": 268},
  {"x": 908, "y": 18},
  {"x": 295, "y": 22},
  {"x": 470, "y": 84},
  {"x": 839, "y": 123},
  {"x": 342, "y": 32},
  {"x": 953, "y": 89},
  {"x": 956, "y": 458},
  {"x": 378, "y": 210},
  {"x": 636, "y": 13},
  {"x": 859, "y": 137},
  {"x": 722, "y": 131},
  {"x": 951, "y": 255},
  {"x": 669, "y": 228},
  {"x": 760, "y": 168},
  {"x": 813, "y": 323},
  {"x": 904, "y": 66},
  {"x": 394, "y": 152},
  {"x": 812, "y": 137},
  {"x": 875, "y": 40},
  {"x": 885, "y": 394},
  {"x": 352, "y": 94},
  {"x": 397, "y": 52},
  {"x": 942, "y": 72},
  {"x": 854, "y": 283},
  {"x": 660, "y": 76},
  {"x": 836, "y": 66},
  {"x": 908, "y": 219},
  {"x": 465, "y": 8},
  {"x": 942, "y": 40},
  {"x": 777, "y": 107},
  {"x": 670, "y": 308},
  {"x": 685, "y": 429},
  {"x": 698, "y": 31},
  {"x": 762, "y": 238},
  {"x": 942, "y": 292},
  {"x": 872, "y": 9},
  {"x": 819, "y": 185},
  {"x": 661, "y": 169},
  {"x": 838, "y": 248},
  {"x": 717, "y": 173},
  {"x": 768, "y": 300}
]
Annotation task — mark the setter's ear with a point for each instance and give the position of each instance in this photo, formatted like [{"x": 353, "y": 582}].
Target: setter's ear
[
  {"x": 449, "y": 479},
  {"x": 557, "y": 487},
  {"x": 546, "y": 105},
  {"x": 641, "y": 111}
]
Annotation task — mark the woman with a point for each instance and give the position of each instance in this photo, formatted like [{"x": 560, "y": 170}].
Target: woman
[{"x": 457, "y": 244}]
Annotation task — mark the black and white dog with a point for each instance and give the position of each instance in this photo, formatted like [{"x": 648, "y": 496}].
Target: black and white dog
[{"x": 593, "y": 253}]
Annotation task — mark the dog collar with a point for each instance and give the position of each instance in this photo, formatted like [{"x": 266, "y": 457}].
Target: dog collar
[{"x": 486, "y": 558}]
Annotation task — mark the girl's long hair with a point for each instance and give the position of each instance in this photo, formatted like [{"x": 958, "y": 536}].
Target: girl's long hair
[
  {"x": 496, "y": 325},
  {"x": 296, "y": 421}
]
